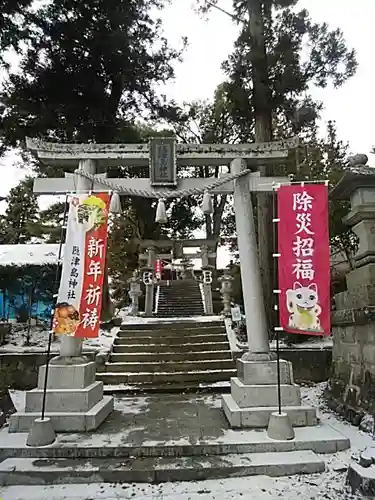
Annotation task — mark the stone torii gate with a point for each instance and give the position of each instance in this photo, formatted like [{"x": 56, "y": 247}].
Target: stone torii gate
[
  {"x": 176, "y": 248},
  {"x": 163, "y": 156}
]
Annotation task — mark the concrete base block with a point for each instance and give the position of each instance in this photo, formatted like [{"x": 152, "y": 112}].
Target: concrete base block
[
  {"x": 65, "y": 400},
  {"x": 258, "y": 417},
  {"x": 264, "y": 372},
  {"x": 66, "y": 421},
  {"x": 280, "y": 427},
  {"x": 248, "y": 396},
  {"x": 68, "y": 376},
  {"x": 41, "y": 433}
]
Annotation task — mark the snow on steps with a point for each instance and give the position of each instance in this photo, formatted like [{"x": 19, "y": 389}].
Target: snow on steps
[
  {"x": 188, "y": 376},
  {"x": 169, "y": 354},
  {"x": 29, "y": 471}
]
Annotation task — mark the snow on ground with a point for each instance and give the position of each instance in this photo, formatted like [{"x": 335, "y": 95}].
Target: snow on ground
[
  {"x": 311, "y": 343},
  {"x": 327, "y": 486},
  {"x": 30, "y": 254},
  {"x": 257, "y": 488},
  {"x": 142, "y": 319},
  {"x": 39, "y": 340}
]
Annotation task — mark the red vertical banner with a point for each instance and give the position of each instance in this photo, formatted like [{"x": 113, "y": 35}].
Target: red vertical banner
[
  {"x": 304, "y": 259},
  {"x": 158, "y": 269}
]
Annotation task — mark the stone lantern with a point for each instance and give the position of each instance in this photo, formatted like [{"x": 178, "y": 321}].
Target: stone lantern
[
  {"x": 134, "y": 293},
  {"x": 187, "y": 269},
  {"x": 226, "y": 292}
]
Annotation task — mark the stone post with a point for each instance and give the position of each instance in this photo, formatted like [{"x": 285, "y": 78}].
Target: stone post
[
  {"x": 207, "y": 283},
  {"x": 134, "y": 293},
  {"x": 226, "y": 292},
  {"x": 256, "y": 323},
  {"x": 149, "y": 299}
]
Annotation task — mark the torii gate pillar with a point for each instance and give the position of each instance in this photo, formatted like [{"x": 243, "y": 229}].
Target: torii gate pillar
[
  {"x": 254, "y": 392},
  {"x": 257, "y": 333}
]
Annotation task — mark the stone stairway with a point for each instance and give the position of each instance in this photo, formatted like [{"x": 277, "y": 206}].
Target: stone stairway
[
  {"x": 169, "y": 356},
  {"x": 166, "y": 437},
  {"x": 181, "y": 298}
]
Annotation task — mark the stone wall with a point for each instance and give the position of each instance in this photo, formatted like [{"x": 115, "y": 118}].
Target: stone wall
[
  {"x": 20, "y": 371},
  {"x": 309, "y": 365},
  {"x": 351, "y": 389}
]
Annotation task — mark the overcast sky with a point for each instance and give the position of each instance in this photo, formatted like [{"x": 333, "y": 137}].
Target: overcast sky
[{"x": 210, "y": 42}]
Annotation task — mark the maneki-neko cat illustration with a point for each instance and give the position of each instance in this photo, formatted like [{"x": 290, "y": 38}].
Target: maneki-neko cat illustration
[{"x": 303, "y": 307}]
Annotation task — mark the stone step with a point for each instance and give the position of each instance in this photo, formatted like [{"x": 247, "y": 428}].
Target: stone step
[
  {"x": 167, "y": 331},
  {"x": 173, "y": 297},
  {"x": 157, "y": 378},
  {"x": 170, "y": 339},
  {"x": 157, "y": 325},
  {"x": 167, "y": 348},
  {"x": 220, "y": 387},
  {"x": 26, "y": 471},
  {"x": 187, "y": 309},
  {"x": 182, "y": 314},
  {"x": 175, "y": 356},
  {"x": 258, "y": 417},
  {"x": 180, "y": 289},
  {"x": 171, "y": 367},
  {"x": 174, "y": 294},
  {"x": 151, "y": 440},
  {"x": 181, "y": 294},
  {"x": 181, "y": 298},
  {"x": 180, "y": 301}
]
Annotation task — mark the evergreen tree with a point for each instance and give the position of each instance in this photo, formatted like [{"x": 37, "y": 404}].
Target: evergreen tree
[
  {"x": 280, "y": 54},
  {"x": 13, "y": 25},
  {"x": 20, "y": 222},
  {"x": 51, "y": 221},
  {"x": 87, "y": 69}
]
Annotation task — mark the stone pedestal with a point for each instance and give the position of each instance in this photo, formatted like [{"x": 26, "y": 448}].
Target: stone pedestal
[
  {"x": 74, "y": 402},
  {"x": 254, "y": 396}
]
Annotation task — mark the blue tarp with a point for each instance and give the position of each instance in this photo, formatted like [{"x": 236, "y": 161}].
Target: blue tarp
[{"x": 10, "y": 310}]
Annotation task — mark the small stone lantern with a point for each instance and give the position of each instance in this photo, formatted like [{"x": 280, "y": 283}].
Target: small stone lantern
[
  {"x": 187, "y": 269},
  {"x": 135, "y": 292},
  {"x": 226, "y": 292}
]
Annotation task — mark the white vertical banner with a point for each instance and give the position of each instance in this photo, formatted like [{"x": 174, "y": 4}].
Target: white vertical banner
[{"x": 77, "y": 310}]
